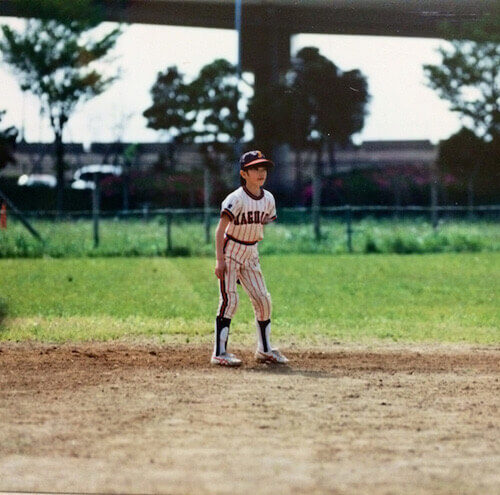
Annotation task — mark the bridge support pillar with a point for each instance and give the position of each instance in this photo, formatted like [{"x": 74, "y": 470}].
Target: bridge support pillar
[{"x": 266, "y": 53}]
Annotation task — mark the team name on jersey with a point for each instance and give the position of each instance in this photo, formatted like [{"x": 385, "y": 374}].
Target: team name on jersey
[{"x": 250, "y": 217}]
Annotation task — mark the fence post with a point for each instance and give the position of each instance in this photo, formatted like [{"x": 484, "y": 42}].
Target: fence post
[
  {"x": 316, "y": 210},
  {"x": 145, "y": 211},
  {"x": 21, "y": 217},
  {"x": 434, "y": 197},
  {"x": 169, "y": 231},
  {"x": 95, "y": 209},
  {"x": 206, "y": 202},
  {"x": 349, "y": 227},
  {"x": 207, "y": 227}
]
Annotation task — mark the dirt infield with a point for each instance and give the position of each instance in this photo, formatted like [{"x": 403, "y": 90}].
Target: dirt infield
[{"x": 145, "y": 418}]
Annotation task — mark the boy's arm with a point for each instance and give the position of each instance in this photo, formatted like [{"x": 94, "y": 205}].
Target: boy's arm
[
  {"x": 271, "y": 213},
  {"x": 220, "y": 266}
]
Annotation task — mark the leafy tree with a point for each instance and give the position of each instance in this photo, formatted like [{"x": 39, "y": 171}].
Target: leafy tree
[
  {"x": 203, "y": 111},
  {"x": 55, "y": 58},
  {"x": 215, "y": 94},
  {"x": 7, "y": 144},
  {"x": 278, "y": 117},
  {"x": 172, "y": 102},
  {"x": 315, "y": 106},
  {"x": 471, "y": 162},
  {"x": 329, "y": 107},
  {"x": 469, "y": 79},
  {"x": 468, "y": 76}
]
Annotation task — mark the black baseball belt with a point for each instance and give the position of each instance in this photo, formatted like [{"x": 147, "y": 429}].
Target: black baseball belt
[{"x": 241, "y": 242}]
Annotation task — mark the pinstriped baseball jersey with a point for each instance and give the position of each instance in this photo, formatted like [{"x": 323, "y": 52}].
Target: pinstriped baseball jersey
[{"x": 248, "y": 214}]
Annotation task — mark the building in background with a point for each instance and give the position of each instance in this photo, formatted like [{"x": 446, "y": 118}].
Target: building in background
[{"x": 39, "y": 157}]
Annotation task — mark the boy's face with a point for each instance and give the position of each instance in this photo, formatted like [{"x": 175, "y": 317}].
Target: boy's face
[{"x": 255, "y": 176}]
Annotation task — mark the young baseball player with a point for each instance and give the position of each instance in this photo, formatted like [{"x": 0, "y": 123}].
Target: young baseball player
[{"x": 243, "y": 216}]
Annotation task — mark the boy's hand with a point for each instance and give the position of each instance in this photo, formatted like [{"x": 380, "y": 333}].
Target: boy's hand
[{"x": 220, "y": 269}]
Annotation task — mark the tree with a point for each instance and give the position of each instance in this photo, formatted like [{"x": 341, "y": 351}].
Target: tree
[
  {"x": 464, "y": 156},
  {"x": 204, "y": 111},
  {"x": 329, "y": 107},
  {"x": 7, "y": 144},
  {"x": 468, "y": 76},
  {"x": 55, "y": 58},
  {"x": 469, "y": 79},
  {"x": 171, "y": 106},
  {"x": 315, "y": 106},
  {"x": 281, "y": 118},
  {"x": 215, "y": 94}
]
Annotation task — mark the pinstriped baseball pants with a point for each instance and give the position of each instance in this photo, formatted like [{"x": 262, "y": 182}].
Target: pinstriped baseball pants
[{"x": 242, "y": 263}]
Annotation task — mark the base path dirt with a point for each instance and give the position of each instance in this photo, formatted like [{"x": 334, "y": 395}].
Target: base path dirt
[{"x": 344, "y": 419}]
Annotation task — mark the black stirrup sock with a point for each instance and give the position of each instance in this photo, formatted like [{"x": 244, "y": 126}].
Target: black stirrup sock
[
  {"x": 264, "y": 328},
  {"x": 221, "y": 334}
]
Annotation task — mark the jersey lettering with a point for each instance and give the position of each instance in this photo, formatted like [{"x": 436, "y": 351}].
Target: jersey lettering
[
  {"x": 249, "y": 214},
  {"x": 250, "y": 218}
]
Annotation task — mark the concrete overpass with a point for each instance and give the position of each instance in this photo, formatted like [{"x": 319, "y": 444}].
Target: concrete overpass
[
  {"x": 418, "y": 18},
  {"x": 268, "y": 24}
]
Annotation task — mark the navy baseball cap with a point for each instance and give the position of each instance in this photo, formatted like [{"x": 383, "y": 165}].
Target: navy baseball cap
[{"x": 255, "y": 157}]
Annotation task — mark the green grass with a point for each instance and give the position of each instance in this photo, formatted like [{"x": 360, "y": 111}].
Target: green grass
[
  {"x": 139, "y": 238},
  {"x": 432, "y": 298}
]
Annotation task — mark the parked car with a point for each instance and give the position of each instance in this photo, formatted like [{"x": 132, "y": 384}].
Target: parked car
[
  {"x": 83, "y": 178},
  {"x": 37, "y": 180}
]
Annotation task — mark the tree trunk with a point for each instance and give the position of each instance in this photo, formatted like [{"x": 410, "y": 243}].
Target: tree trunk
[
  {"x": 470, "y": 198},
  {"x": 316, "y": 192},
  {"x": 206, "y": 202},
  {"x": 298, "y": 174},
  {"x": 59, "y": 149},
  {"x": 171, "y": 163},
  {"x": 96, "y": 206},
  {"x": 126, "y": 187},
  {"x": 434, "y": 196},
  {"x": 210, "y": 163},
  {"x": 331, "y": 156},
  {"x": 397, "y": 197}
]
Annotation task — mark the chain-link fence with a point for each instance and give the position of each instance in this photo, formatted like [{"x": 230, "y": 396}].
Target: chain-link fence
[{"x": 182, "y": 232}]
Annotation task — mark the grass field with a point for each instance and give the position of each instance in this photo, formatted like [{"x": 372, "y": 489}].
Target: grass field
[
  {"x": 392, "y": 387},
  {"x": 414, "y": 298},
  {"x": 141, "y": 238}
]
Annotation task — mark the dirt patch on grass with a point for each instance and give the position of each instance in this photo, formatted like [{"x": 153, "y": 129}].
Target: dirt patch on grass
[{"x": 145, "y": 418}]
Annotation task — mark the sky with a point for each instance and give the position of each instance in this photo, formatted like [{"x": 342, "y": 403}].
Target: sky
[{"x": 401, "y": 107}]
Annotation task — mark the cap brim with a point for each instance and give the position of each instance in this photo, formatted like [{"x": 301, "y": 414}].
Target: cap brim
[{"x": 269, "y": 163}]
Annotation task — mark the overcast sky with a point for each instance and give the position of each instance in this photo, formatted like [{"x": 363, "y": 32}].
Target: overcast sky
[{"x": 402, "y": 107}]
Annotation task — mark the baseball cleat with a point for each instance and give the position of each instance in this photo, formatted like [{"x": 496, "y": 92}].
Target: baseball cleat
[
  {"x": 273, "y": 356},
  {"x": 225, "y": 359}
]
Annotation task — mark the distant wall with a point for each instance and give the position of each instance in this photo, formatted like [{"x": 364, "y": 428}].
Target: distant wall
[{"x": 39, "y": 157}]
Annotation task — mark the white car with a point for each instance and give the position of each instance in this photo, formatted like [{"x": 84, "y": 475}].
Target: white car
[
  {"x": 34, "y": 180},
  {"x": 83, "y": 178}
]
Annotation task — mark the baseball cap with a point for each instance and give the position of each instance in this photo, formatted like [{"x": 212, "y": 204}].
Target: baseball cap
[{"x": 254, "y": 158}]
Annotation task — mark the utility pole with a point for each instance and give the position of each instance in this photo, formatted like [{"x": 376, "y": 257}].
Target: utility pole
[{"x": 237, "y": 27}]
